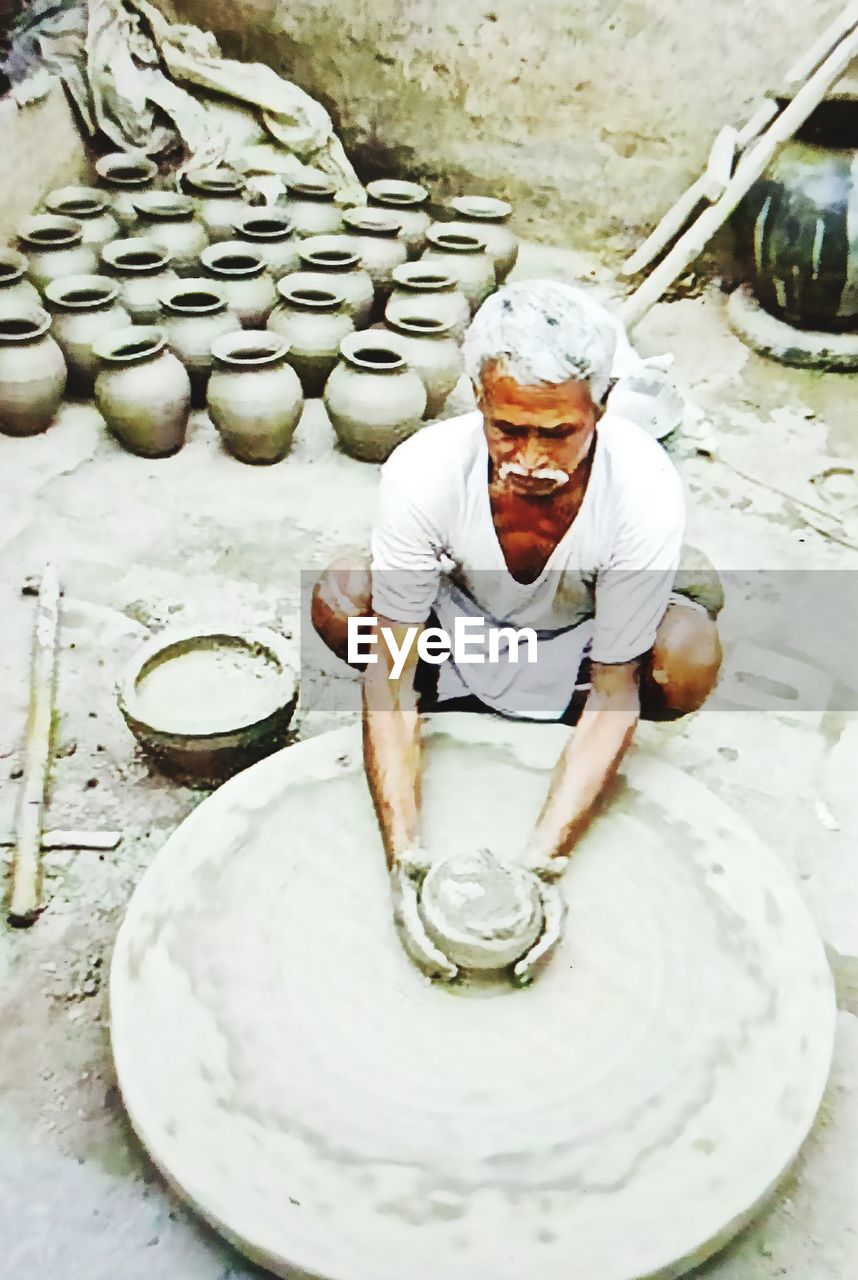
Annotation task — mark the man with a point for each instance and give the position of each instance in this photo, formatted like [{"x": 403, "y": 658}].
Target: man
[{"x": 540, "y": 510}]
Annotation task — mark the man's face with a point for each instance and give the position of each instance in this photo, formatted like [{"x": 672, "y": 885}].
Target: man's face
[{"x": 537, "y": 436}]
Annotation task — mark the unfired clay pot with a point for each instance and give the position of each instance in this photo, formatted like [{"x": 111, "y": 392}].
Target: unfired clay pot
[
  {"x": 240, "y": 274},
  {"x": 124, "y": 175},
  {"x": 334, "y": 262},
  {"x": 462, "y": 254},
  {"x": 195, "y": 313},
  {"x": 377, "y": 233},
  {"x": 271, "y": 233},
  {"x": 219, "y": 195},
  {"x": 55, "y": 248},
  {"x": 254, "y": 395},
  {"x": 170, "y": 220},
  {"x": 407, "y": 200},
  {"x": 312, "y": 208},
  {"x": 32, "y": 373},
  {"x": 430, "y": 348},
  {"x": 142, "y": 269},
  {"x": 88, "y": 206},
  {"x": 489, "y": 218},
  {"x": 313, "y": 321},
  {"x": 373, "y": 398},
  {"x": 142, "y": 392},
  {"x": 84, "y": 308},
  {"x": 418, "y": 286},
  {"x": 16, "y": 292}
]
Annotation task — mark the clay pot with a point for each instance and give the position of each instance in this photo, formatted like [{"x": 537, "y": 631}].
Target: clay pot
[
  {"x": 85, "y": 308},
  {"x": 428, "y": 345},
  {"x": 312, "y": 208},
  {"x": 334, "y": 262},
  {"x": 376, "y": 233},
  {"x": 313, "y": 321},
  {"x": 462, "y": 254},
  {"x": 488, "y": 217},
  {"x": 195, "y": 314},
  {"x": 417, "y": 286},
  {"x": 142, "y": 392},
  {"x": 142, "y": 269},
  {"x": 407, "y": 201},
  {"x": 55, "y": 248},
  {"x": 373, "y": 398},
  {"x": 32, "y": 373},
  {"x": 88, "y": 206},
  {"x": 16, "y": 293},
  {"x": 170, "y": 221},
  {"x": 124, "y": 175},
  {"x": 254, "y": 395},
  {"x": 219, "y": 196},
  {"x": 271, "y": 234},
  {"x": 240, "y": 275}
]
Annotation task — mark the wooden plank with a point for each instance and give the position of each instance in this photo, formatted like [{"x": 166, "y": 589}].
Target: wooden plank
[
  {"x": 760, "y": 120},
  {"x": 821, "y": 48},
  {"x": 25, "y": 898},
  {"x": 751, "y": 167},
  {"x": 722, "y": 157}
]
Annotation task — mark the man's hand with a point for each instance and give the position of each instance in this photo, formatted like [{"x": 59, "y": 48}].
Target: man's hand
[
  {"x": 554, "y": 916},
  {"x": 547, "y": 867},
  {"x": 406, "y": 877}
]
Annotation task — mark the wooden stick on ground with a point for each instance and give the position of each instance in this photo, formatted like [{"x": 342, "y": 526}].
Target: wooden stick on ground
[
  {"x": 821, "y": 48},
  {"x": 26, "y": 866},
  {"x": 750, "y": 168}
]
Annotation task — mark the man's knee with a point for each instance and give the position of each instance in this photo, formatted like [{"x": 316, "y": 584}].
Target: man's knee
[
  {"x": 343, "y": 591},
  {"x": 685, "y": 660}
]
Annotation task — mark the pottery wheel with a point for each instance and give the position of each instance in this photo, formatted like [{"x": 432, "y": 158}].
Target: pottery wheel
[{"x": 330, "y": 1110}]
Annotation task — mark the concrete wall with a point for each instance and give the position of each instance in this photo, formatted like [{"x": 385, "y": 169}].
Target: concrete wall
[{"x": 591, "y": 115}]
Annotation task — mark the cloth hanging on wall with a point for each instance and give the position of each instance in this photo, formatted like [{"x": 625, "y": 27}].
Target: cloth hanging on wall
[{"x": 150, "y": 85}]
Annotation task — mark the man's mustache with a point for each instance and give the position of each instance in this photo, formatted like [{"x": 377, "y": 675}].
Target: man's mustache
[{"x": 541, "y": 473}]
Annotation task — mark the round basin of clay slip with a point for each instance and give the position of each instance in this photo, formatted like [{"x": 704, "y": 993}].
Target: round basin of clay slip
[{"x": 207, "y": 703}]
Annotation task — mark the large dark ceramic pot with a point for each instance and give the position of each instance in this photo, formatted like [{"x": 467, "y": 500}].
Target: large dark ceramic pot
[{"x": 795, "y": 230}]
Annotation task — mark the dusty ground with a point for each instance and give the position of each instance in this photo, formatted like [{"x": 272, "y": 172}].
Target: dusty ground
[{"x": 768, "y": 463}]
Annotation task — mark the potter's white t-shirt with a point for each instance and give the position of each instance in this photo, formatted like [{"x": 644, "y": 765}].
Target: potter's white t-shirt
[{"x": 606, "y": 584}]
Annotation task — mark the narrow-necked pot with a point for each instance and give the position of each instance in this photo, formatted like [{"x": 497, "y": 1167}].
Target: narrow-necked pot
[
  {"x": 88, "y": 206},
  {"x": 428, "y": 345},
  {"x": 313, "y": 321},
  {"x": 489, "y": 217},
  {"x": 142, "y": 391},
  {"x": 84, "y": 308},
  {"x": 32, "y": 372},
  {"x": 54, "y": 248},
  {"x": 254, "y": 395},
  {"x": 374, "y": 399},
  {"x": 377, "y": 233},
  {"x": 195, "y": 314},
  {"x": 462, "y": 254},
  {"x": 16, "y": 292},
  {"x": 219, "y": 195},
  {"x": 125, "y": 174},
  {"x": 272, "y": 236},
  {"x": 170, "y": 220},
  {"x": 420, "y": 286},
  {"x": 142, "y": 269},
  {"x": 334, "y": 262},
  {"x": 407, "y": 200},
  {"x": 312, "y": 206},
  {"x": 241, "y": 276}
]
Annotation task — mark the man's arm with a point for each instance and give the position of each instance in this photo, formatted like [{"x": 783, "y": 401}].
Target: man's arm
[{"x": 589, "y": 760}]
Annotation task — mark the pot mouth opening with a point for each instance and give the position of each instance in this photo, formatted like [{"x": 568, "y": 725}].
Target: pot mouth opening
[
  {"x": 130, "y": 345},
  {"x": 237, "y": 264},
  {"x": 250, "y": 349},
  {"x": 458, "y": 242},
  {"x": 315, "y": 188},
  {"x": 488, "y": 207},
  {"x": 396, "y": 192},
  {"x": 425, "y": 280},
  {"x": 216, "y": 186},
  {"x": 329, "y": 258},
  {"x": 139, "y": 260},
  {"x": 79, "y": 208},
  {"x": 378, "y": 358},
  {"x": 430, "y": 325},
  {"x": 131, "y": 173},
  {"x": 266, "y": 228},
  {"x": 195, "y": 301},
  {"x": 164, "y": 206},
  {"x": 9, "y": 273},
  {"x": 304, "y": 296},
  {"x": 84, "y": 298},
  {"x": 362, "y": 220},
  {"x": 134, "y": 350},
  {"x": 53, "y": 237},
  {"x": 24, "y": 328}
]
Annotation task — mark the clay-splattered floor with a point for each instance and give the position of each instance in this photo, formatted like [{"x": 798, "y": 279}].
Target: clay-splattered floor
[{"x": 768, "y": 465}]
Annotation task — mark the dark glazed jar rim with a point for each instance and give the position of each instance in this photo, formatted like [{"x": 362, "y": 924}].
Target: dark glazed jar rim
[
  {"x": 24, "y": 326},
  {"x": 131, "y": 345},
  {"x": 135, "y": 256},
  {"x": 164, "y": 205},
  {"x": 123, "y": 170},
  {"x": 250, "y": 349},
  {"x": 82, "y": 293},
  {"x": 310, "y": 299},
  {"x": 455, "y": 241},
  {"x": 46, "y": 231},
  {"x": 233, "y": 261},
  {"x": 193, "y": 297}
]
